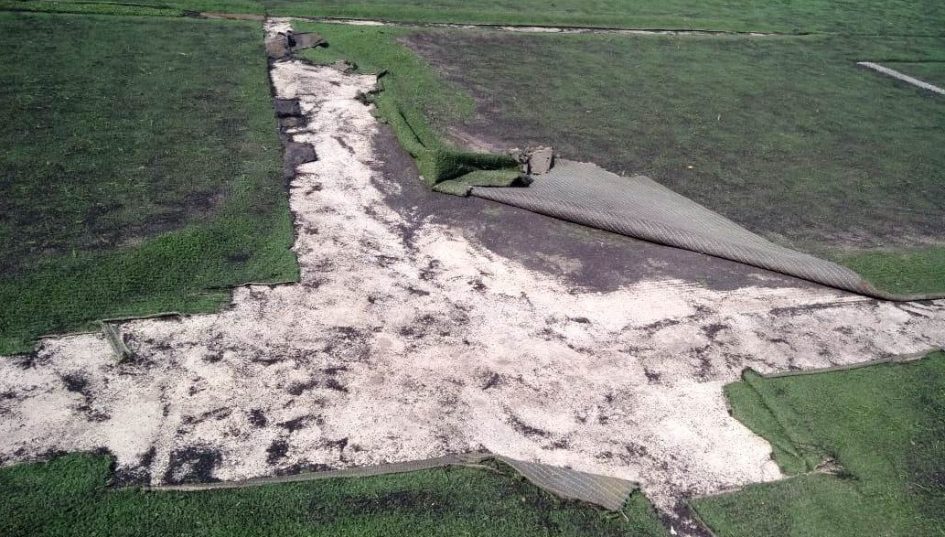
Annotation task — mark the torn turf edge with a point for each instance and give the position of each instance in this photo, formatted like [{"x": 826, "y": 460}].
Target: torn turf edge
[{"x": 611, "y": 493}]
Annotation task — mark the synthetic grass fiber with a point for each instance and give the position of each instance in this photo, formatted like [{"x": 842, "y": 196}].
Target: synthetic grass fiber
[
  {"x": 69, "y": 496},
  {"x": 786, "y": 136},
  {"x": 140, "y": 173},
  {"x": 881, "y": 431},
  {"x": 921, "y": 17},
  {"x": 410, "y": 97}
]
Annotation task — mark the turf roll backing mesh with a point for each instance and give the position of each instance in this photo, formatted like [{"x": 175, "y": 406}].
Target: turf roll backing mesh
[
  {"x": 607, "y": 492},
  {"x": 642, "y": 208}
]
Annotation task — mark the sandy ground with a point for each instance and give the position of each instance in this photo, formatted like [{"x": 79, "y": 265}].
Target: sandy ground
[{"x": 408, "y": 340}]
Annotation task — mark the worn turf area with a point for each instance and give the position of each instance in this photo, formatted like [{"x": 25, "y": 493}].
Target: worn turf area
[
  {"x": 785, "y": 136},
  {"x": 847, "y": 16},
  {"x": 876, "y": 433},
  {"x": 141, "y": 170},
  {"x": 69, "y": 496}
]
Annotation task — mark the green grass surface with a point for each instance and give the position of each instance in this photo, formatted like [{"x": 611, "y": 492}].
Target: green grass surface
[
  {"x": 68, "y": 496},
  {"x": 884, "y": 426},
  {"x": 848, "y": 16},
  {"x": 140, "y": 173},
  {"x": 160, "y": 8},
  {"x": 785, "y": 136},
  {"x": 909, "y": 270}
]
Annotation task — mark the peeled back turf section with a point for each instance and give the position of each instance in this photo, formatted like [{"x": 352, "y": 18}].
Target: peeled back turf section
[
  {"x": 866, "y": 446},
  {"x": 416, "y": 104},
  {"x": 141, "y": 170}
]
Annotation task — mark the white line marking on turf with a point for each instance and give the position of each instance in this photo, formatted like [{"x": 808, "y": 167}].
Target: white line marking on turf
[{"x": 902, "y": 76}]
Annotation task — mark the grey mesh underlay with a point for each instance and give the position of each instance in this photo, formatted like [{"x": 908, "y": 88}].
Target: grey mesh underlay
[
  {"x": 608, "y": 492},
  {"x": 642, "y": 208}
]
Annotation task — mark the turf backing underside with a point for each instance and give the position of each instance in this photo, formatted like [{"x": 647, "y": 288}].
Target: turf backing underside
[
  {"x": 68, "y": 496},
  {"x": 879, "y": 429}
]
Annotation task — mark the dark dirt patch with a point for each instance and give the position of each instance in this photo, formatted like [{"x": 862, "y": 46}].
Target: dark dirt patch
[
  {"x": 295, "y": 424},
  {"x": 494, "y": 380},
  {"x": 526, "y": 429},
  {"x": 302, "y": 467},
  {"x": 298, "y": 388},
  {"x": 276, "y": 451},
  {"x": 587, "y": 258},
  {"x": 192, "y": 465},
  {"x": 257, "y": 418},
  {"x": 652, "y": 376},
  {"x": 137, "y": 476},
  {"x": 712, "y": 330},
  {"x": 684, "y": 520},
  {"x": 76, "y": 383}
]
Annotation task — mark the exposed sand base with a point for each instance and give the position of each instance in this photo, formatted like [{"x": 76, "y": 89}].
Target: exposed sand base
[{"x": 393, "y": 349}]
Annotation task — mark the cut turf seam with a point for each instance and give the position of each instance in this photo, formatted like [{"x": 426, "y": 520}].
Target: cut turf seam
[{"x": 607, "y": 492}]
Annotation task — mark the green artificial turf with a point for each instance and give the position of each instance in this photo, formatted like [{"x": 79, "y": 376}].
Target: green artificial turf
[
  {"x": 907, "y": 270},
  {"x": 412, "y": 98},
  {"x": 891, "y": 17},
  {"x": 160, "y": 8},
  {"x": 141, "y": 170},
  {"x": 68, "y": 496},
  {"x": 882, "y": 429},
  {"x": 786, "y": 135}
]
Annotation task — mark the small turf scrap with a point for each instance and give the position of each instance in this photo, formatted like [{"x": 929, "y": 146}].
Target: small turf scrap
[
  {"x": 277, "y": 46},
  {"x": 540, "y": 160},
  {"x": 297, "y": 154},
  {"x": 304, "y": 40},
  {"x": 287, "y": 108},
  {"x": 122, "y": 352}
]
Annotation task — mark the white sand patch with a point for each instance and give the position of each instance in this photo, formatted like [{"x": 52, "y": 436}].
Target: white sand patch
[{"x": 390, "y": 351}]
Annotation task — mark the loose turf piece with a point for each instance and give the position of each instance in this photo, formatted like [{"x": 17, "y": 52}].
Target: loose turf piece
[
  {"x": 69, "y": 496},
  {"x": 877, "y": 436},
  {"x": 141, "y": 170}
]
